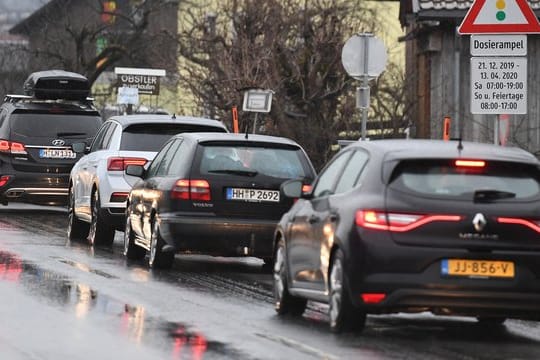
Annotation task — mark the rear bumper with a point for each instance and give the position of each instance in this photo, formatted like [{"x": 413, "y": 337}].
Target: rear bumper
[
  {"x": 460, "y": 302},
  {"x": 412, "y": 281},
  {"x": 218, "y": 236},
  {"x": 38, "y": 188}
]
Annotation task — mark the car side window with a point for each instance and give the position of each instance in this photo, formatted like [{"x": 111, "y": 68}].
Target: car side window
[
  {"x": 352, "y": 171},
  {"x": 328, "y": 178},
  {"x": 98, "y": 140},
  {"x": 157, "y": 163},
  {"x": 3, "y": 114},
  {"x": 167, "y": 160},
  {"x": 178, "y": 159},
  {"x": 108, "y": 136}
]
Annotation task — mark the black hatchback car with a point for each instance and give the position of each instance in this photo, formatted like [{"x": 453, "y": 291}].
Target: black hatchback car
[
  {"x": 414, "y": 225},
  {"x": 212, "y": 193},
  {"x": 36, "y": 132}
]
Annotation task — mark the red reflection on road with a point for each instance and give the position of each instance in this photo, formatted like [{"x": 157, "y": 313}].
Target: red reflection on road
[
  {"x": 188, "y": 345},
  {"x": 10, "y": 267}
]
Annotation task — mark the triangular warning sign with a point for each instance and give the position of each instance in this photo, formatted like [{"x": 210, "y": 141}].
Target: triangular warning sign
[{"x": 499, "y": 17}]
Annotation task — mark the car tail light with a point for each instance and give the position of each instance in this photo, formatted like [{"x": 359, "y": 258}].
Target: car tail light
[
  {"x": 4, "y": 179},
  {"x": 121, "y": 163},
  {"x": 397, "y": 222},
  {"x": 10, "y": 147},
  {"x": 119, "y": 196},
  {"x": 534, "y": 225},
  {"x": 373, "y": 298},
  {"x": 470, "y": 163},
  {"x": 198, "y": 190}
]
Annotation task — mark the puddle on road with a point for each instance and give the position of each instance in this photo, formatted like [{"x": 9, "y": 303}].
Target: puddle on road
[
  {"x": 87, "y": 268},
  {"x": 131, "y": 321}
]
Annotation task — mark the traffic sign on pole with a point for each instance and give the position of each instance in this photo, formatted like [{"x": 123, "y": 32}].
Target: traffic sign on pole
[{"x": 499, "y": 17}]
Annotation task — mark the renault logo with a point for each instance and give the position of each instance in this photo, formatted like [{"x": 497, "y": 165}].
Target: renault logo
[
  {"x": 58, "y": 142},
  {"x": 479, "y": 222}
]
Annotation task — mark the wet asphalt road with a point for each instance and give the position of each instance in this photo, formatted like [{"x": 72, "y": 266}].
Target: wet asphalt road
[{"x": 63, "y": 300}]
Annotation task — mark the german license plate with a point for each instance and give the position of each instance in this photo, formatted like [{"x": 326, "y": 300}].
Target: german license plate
[
  {"x": 480, "y": 268},
  {"x": 255, "y": 195},
  {"x": 57, "y": 154}
]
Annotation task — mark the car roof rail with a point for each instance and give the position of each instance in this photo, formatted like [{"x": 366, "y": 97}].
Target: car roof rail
[{"x": 12, "y": 98}]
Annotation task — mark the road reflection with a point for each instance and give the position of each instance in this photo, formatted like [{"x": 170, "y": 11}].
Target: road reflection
[{"x": 132, "y": 320}]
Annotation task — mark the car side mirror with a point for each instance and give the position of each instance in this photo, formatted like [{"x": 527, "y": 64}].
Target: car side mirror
[
  {"x": 135, "y": 170},
  {"x": 79, "y": 147},
  {"x": 292, "y": 188}
]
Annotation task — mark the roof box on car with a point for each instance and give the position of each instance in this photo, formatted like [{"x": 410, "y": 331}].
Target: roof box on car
[{"x": 57, "y": 84}]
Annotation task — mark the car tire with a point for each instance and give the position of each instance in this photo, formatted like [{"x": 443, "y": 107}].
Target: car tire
[
  {"x": 158, "y": 259},
  {"x": 100, "y": 233},
  {"x": 131, "y": 250},
  {"x": 76, "y": 229},
  {"x": 284, "y": 302},
  {"x": 342, "y": 313}
]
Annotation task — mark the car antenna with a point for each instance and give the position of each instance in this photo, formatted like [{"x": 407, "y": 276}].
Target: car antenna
[
  {"x": 460, "y": 140},
  {"x": 173, "y": 116},
  {"x": 460, "y": 144},
  {"x": 247, "y": 130}
]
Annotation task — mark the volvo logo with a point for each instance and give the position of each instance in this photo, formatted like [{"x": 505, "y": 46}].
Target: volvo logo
[
  {"x": 479, "y": 222},
  {"x": 58, "y": 142}
]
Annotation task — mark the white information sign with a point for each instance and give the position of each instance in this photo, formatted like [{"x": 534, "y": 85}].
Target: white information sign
[
  {"x": 498, "y": 45},
  {"x": 128, "y": 95},
  {"x": 499, "y": 85}
]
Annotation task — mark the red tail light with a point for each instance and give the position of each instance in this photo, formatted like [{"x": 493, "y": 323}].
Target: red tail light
[
  {"x": 196, "y": 190},
  {"x": 397, "y": 222},
  {"x": 119, "y": 196},
  {"x": 121, "y": 163},
  {"x": 373, "y": 298},
  {"x": 10, "y": 147},
  {"x": 470, "y": 163},
  {"x": 534, "y": 225},
  {"x": 4, "y": 179}
]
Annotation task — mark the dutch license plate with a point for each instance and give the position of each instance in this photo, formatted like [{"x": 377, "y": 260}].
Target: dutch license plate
[
  {"x": 255, "y": 195},
  {"x": 57, "y": 154},
  {"x": 480, "y": 268}
]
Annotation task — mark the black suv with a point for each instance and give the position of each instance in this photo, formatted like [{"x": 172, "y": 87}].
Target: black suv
[{"x": 36, "y": 131}]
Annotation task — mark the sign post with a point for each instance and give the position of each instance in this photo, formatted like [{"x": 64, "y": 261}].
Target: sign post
[
  {"x": 499, "y": 56},
  {"x": 364, "y": 57}
]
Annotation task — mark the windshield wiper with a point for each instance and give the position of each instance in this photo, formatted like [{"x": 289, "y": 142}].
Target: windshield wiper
[
  {"x": 490, "y": 195},
  {"x": 249, "y": 173},
  {"x": 61, "y": 134}
]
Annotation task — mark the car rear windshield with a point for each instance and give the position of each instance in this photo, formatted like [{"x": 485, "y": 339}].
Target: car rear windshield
[
  {"x": 482, "y": 180},
  {"x": 55, "y": 125},
  {"x": 274, "y": 162},
  {"x": 150, "y": 137}
]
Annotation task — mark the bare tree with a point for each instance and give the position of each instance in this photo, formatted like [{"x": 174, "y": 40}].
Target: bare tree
[
  {"x": 90, "y": 36},
  {"x": 294, "y": 49}
]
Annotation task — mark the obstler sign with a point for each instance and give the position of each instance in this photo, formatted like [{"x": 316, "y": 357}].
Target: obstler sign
[
  {"x": 145, "y": 80},
  {"x": 146, "y": 84}
]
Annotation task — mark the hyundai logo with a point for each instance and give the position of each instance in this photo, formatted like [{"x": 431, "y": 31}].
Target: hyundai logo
[
  {"x": 58, "y": 142},
  {"x": 479, "y": 222}
]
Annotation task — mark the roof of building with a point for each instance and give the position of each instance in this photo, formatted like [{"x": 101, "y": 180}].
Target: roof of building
[
  {"x": 458, "y": 4},
  {"x": 23, "y": 26},
  {"x": 442, "y": 9}
]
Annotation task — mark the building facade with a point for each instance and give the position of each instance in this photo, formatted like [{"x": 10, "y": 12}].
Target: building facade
[{"x": 439, "y": 72}]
